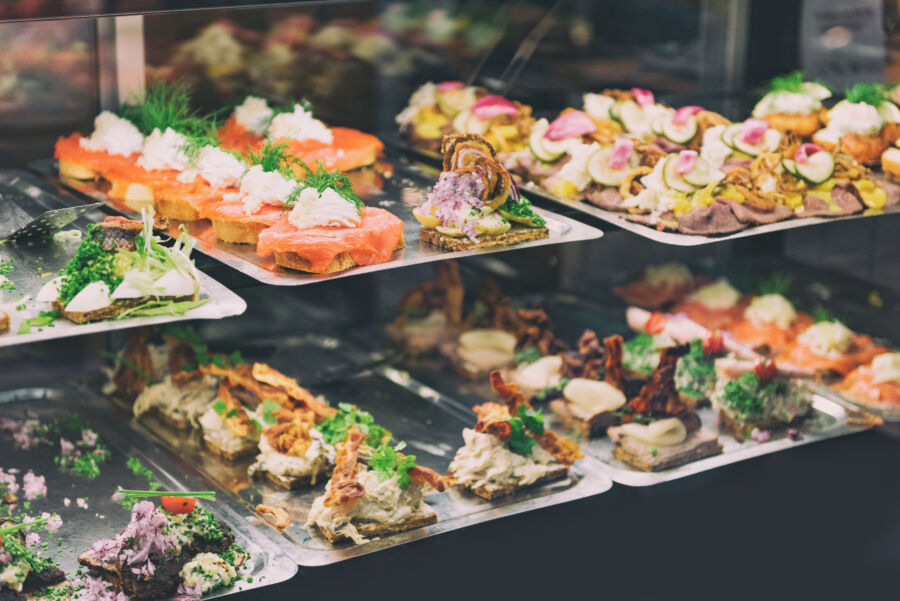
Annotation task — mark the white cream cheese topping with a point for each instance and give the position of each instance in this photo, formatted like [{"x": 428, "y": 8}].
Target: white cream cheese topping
[
  {"x": 219, "y": 168},
  {"x": 254, "y": 114},
  {"x": 827, "y": 338},
  {"x": 259, "y": 187},
  {"x": 886, "y": 368},
  {"x": 299, "y": 125},
  {"x": 329, "y": 208},
  {"x": 771, "y": 309},
  {"x": 718, "y": 296},
  {"x": 164, "y": 150},
  {"x": 114, "y": 135}
]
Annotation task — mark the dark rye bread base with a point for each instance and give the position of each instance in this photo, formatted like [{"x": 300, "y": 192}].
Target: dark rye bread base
[
  {"x": 228, "y": 455},
  {"x": 166, "y": 577},
  {"x": 114, "y": 310},
  {"x": 341, "y": 262},
  {"x": 515, "y": 235},
  {"x": 699, "y": 444},
  {"x": 493, "y": 492},
  {"x": 589, "y": 426},
  {"x": 742, "y": 430},
  {"x": 373, "y": 529},
  {"x": 293, "y": 482}
]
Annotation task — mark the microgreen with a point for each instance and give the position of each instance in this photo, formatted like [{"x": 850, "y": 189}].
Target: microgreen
[
  {"x": 334, "y": 428},
  {"x": 777, "y": 283},
  {"x": 868, "y": 93},
  {"x": 387, "y": 462},
  {"x": 747, "y": 395},
  {"x": 523, "y": 424},
  {"x": 163, "y": 106},
  {"x": 529, "y": 355},
  {"x": 273, "y": 158},
  {"x": 791, "y": 82}
]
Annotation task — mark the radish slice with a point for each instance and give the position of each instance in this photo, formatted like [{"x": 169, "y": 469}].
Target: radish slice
[
  {"x": 643, "y": 97},
  {"x": 684, "y": 113},
  {"x": 621, "y": 153},
  {"x": 493, "y": 106},
  {"x": 446, "y": 86},
  {"x": 803, "y": 153},
  {"x": 753, "y": 130},
  {"x": 570, "y": 125},
  {"x": 686, "y": 161}
]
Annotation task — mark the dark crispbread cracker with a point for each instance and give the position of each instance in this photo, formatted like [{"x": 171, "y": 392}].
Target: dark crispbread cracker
[
  {"x": 590, "y": 426},
  {"x": 493, "y": 492},
  {"x": 369, "y": 529},
  {"x": 114, "y": 310},
  {"x": 515, "y": 235},
  {"x": 698, "y": 445},
  {"x": 293, "y": 482},
  {"x": 341, "y": 262},
  {"x": 741, "y": 430},
  {"x": 228, "y": 455}
]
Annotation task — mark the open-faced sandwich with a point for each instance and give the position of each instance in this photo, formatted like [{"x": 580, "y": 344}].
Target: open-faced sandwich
[
  {"x": 875, "y": 385},
  {"x": 793, "y": 105},
  {"x": 384, "y": 497},
  {"x": 714, "y": 306},
  {"x": 862, "y": 126},
  {"x": 325, "y": 227},
  {"x": 177, "y": 547},
  {"x": 476, "y": 203},
  {"x": 830, "y": 348},
  {"x": 121, "y": 269},
  {"x": 633, "y": 111},
  {"x": 430, "y": 313},
  {"x": 890, "y": 163},
  {"x": 734, "y": 146},
  {"x": 24, "y": 572},
  {"x": 509, "y": 448},
  {"x": 254, "y": 123},
  {"x": 659, "y": 431},
  {"x": 752, "y": 398},
  {"x": 769, "y": 324},
  {"x": 660, "y": 285}
]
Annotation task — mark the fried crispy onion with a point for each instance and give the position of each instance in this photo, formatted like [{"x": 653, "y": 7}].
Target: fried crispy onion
[
  {"x": 660, "y": 395},
  {"x": 630, "y": 185},
  {"x": 302, "y": 396},
  {"x": 615, "y": 370}
]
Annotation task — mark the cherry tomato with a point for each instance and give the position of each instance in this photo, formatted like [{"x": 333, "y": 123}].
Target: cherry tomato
[
  {"x": 713, "y": 344},
  {"x": 656, "y": 323},
  {"x": 178, "y": 504},
  {"x": 765, "y": 370}
]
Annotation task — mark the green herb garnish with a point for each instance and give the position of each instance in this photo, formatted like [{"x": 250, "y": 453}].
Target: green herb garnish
[
  {"x": 523, "y": 424},
  {"x": 546, "y": 391},
  {"x": 273, "y": 158},
  {"x": 521, "y": 212},
  {"x": 777, "y": 283},
  {"x": 129, "y": 364},
  {"x": 207, "y": 495},
  {"x": 334, "y": 428},
  {"x": 747, "y": 395},
  {"x": 219, "y": 406},
  {"x": 321, "y": 179},
  {"x": 90, "y": 264},
  {"x": 269, "y": 409},
  {"x": 868, "y": 93},
  {"x": 44, "y": 319},
  {"x": 529, "y": 355},
  {"x": 820, "y": 313},
  {"x": 791, "y": 82},
  {"x": 163, "y": 106},
  {"x": 387, "y": 462}
]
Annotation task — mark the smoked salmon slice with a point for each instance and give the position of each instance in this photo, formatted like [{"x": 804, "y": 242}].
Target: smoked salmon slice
[
  {"x": 69, "y": 149},
  {"x": 862, "y": 350},
  {"x": 713, "y": 319},
  {"x": 374, "y": 241},
  {"x": 771, "y": 336},
  {"x": 858, "y": 385}
]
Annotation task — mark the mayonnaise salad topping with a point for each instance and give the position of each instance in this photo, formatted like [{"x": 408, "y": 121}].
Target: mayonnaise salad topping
[
  {"x": 254, "y": 114},
  {"x": 668, "y": 275},
  {"x": 714, "y": 151},
  {"x": 656, "y": 197},
  {"x": 299, "y": 125},
  {"x": 886, "y": 368},
  {"x": 789, "y": 103},
  {"x": 114, "y": 135},
  {"x": 164, "y": 150},
  {"x": 719, "y": 295},
  {"x": 329, "y": 208},
  {"x": 484, "y": 460},
  {"x": 827, "y": 338},
  {"x": 771, "y": 309},
  {"x": 853, "y": 117}
]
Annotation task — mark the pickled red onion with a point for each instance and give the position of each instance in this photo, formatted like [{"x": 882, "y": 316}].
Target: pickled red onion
[
  {"x": 684, "y": 113},
  {"x": 686, "y": 161},
  {"x": 493, "y": 106},
  {"x": 752, "y": 130},
  {"x": 446, "y": 86},
  {"x": 570, "y": 125},
  {"x": 806, "y": 149},
  {"x": 621, "y": 153},
  {"x": 643, "y": 97}
]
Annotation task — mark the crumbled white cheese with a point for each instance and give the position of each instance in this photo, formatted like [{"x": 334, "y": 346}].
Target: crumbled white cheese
[
  {"x": 114, "y": 135},
  {"x": 827, "y": 338},
  {"x": 164, "y": 150},
  {"x": 771, "y": 309},
  {"x": 299, "y": 125},
  {"x": 326, "y": 209},
  {"x": 254, "y": 114}
]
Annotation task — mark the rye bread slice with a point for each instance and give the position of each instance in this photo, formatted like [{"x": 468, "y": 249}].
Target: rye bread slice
[
  {"x": 493, "y": 492},
  {"x": 699, "y": 443},
  {"x": 112, "y": 311},
  {"x": 515, "y": 235},
  {"x": 741, "y": 430},
  {"x": 293, "y": 482},
  {"x": 580, "y": 421},
  {"x": 374, "y": 529},
  {"x": 228, "y": 455},
  {"x": 341, "y": 262}
]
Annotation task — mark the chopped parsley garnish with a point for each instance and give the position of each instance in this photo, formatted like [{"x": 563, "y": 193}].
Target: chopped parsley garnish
[
  {"x": 521, "y": 211},
  {"x": 747, "y": 395},
  {"x": 792, "y": 82},
  {"x": 639, "y": 354},
  {"x": 44, "y": 319},
  {"x": 387, "y": 462},
  {"x": 529, "y": 355},
  {"x": 90, "y": 264},
  {"x": 138, "y": 469},
  {"x": 219, "y": 406},
  {"x": 696, "y": 372},
  {"x": 869, "y": 93},
  {"x": 334, "y": 428},
  {"x": 6, "y": 266},
  {"x": 777, "y": 283},
  {"x": 35, "y": 562},
  {"x": 269, "y": 409},
  {"x": 551, "y": 390},
  {"x": 162, "y": 106},
  {"x": 523, "y": 424},
  {"x": 321, "y": 179}
]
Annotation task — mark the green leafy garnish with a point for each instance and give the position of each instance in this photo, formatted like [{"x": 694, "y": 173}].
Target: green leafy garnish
[
  {"x": 219, "y": 406},
  {"x": 696, "y": 373},
  {"x": 747, "y": 395},
  {"x": 90, "y": 264},
  {"x": 820, "y": 313},
  {"x": 521, "y": 212},
  {"x": 792, "y": 82},
  {"x": 869, "y": 93},
  {"x": 44, "y": 319},
  {"x": 273, "y": 158},
  {"x": 162, "y": 106},
  {"x": 6, "y": 266},
  {"x": 529, "y": 355},
  {"x": 321, "y": 179},
  {"x": 523, "y": 424},
  {"x": 639, "y": 354},
  {"x": 777, "y": 283},
  {"x": 129, "y": 364},
  {"x": 387, "y": 462},
  {"x": 269, "y": 409},
  {"x": 334, "y": 428}
]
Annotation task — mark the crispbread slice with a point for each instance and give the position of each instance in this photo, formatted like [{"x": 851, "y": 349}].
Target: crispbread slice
[
  {"x": 293, "y": 482},
  {"x": 228, "y": 455},
  {"x": 741, "y": 430},
  {"x": 698, "y": 444},
  {"x": 369, "y": 529},
  {"x": 587, "y": 425},
  {"x": 493, "y": 492},
  {"x": 177, "y": 209},
  {"x": 175, "y": 422},
  {"x": 515, "y": 235},
  {"x": 4, "y": 321},
  {"x": 237, "y": 233},
  {"x": 341, "y": 262},
  {"x": 113, "y": 310}
]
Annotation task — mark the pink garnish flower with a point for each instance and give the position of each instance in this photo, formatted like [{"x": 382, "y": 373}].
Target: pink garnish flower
[
  {"x": 67, "y": 501},
  {"x": 90, "y": 588},
  {"x": 643, "y": 97},
  {"x": 686, "y": 161},
  {"x": 32, "y": 539},
  {"x": 760, "y": 435},
  {"x": 622, "y": 149},
  {"x": 89, "y": 437},
  {"x": 187, "y": 593},
  {"x": 33, "y": 486},
  {"x": 794, "y": 434},
  {"x": 53, "y": 521},
  {"x": 8, "y": 484},
  {"x": 5, "y": 557},
  {"x": 65, "y": 447},
  {"x": 81, "y": 502}
]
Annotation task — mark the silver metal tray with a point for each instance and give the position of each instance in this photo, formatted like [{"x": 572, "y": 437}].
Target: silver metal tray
[
  {"x": 406, "y": 176},
  {"x": 888, "y": 415},
  {"x": 34, "y": 265},
  {"x": 105, "y": 517},
  {"x": 431, "y": 425},
  {"x": 618, "y": 219}
]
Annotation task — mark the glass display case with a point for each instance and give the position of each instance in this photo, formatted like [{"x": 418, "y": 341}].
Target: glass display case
[{"x": 374, "y": 275}]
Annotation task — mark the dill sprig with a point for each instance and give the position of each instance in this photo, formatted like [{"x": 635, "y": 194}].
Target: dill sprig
[
  {"x": 321, "y": 179},
  {"x": 273, "y": 158},
  {"x": 791, "y": 82},
  {"x": 162, "y": 106},
  {"x": 288, "y": 107},
  {"x": 869, "y": 93}
]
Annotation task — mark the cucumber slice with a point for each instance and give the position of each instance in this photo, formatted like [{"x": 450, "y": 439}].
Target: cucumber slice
[
  {"x": 703, "y": 174},
  {"x": 729, "y": 134},
  {"x": 452, "y": 102},
  {"x": 680, "y": 134},
  {"x": 538, "y": 145},
  {"x": 614, "y": 111},
  {"x": 818, "y": 169},
  {"x": 790, "y": 165},
  {"x": 632, "y": 116},
  {"x": 889, "y": 112},
  {"x": 769, "y": 143},
  {"x": 656, "y": 126},
  {"x": 672, "y": 179},
  {"x": 461, "y": 121},
  {"x": 600, "y": 171},
  {"x": 816, "y": 90},
  {"x": 476, "y": 126}
]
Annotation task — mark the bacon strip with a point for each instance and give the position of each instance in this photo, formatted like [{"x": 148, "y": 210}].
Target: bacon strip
[
  {"x": 273, "y": 377},
  {"x": 492, "y": 419},
  {"x": 344, "y": 488},
  {"x": 660, "y": 395},
  {"x": 242, "y": 376},
  {"x": 615, "y": 370},
  {"x": 423, "y": 475},
  {"x": 509, "y": 393},
  {"x": 563, "y": 449},
  {"x": 239, "y": 423}
]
